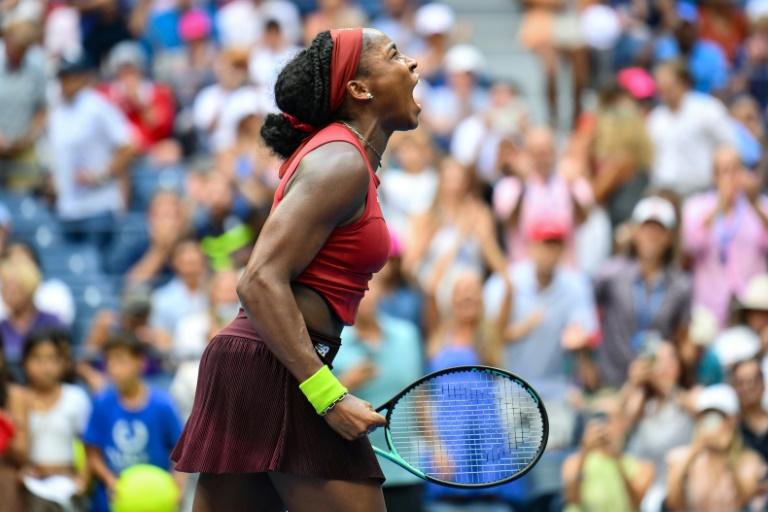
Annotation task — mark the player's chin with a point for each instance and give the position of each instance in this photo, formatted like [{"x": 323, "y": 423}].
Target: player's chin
[{"x": 409, "y": 121}]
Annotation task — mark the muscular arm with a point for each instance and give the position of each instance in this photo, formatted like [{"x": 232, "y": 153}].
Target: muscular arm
[{"x": 328, "y": 189}]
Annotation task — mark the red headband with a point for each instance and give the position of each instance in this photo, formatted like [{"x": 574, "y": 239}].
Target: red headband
[{"x": 347, "y": 47}]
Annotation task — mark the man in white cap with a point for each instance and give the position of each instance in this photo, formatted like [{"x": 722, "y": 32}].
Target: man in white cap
[
  {"x": 643, "y": 297},
  {"x": 714, "y": 473}
]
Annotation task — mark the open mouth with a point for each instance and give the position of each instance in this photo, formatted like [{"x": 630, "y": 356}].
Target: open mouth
[{"x": 413, "y": 90}]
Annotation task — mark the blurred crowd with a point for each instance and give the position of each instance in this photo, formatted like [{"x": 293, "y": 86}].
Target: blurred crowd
[{"x": 613, "y": 252}]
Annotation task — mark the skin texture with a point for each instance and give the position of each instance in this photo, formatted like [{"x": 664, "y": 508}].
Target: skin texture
[{"x": 377, "y": 103}]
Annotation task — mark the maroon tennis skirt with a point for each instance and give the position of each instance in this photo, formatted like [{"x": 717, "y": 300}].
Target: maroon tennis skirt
[{"x": 249, "y": 416}]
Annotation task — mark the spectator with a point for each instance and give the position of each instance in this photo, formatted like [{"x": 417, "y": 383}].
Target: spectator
[
  {"x": 249, "y": 165},
  {"x": 686, "y": 128},
  {"x": 195, "y": 330},
  {"x": 553, "y": 32},
  {"x": 224, "y": 225},
  {"x": 13, "y": 423},
  {"x": 725, "y": 232},
  {"x": 643, "y": 296},
  {"x": 552, "y": 323},
  {"x": 131, "y": 422},
  {"x": 553, "y": 315},
  {"x": 539, "y": 190},
  {"x": 217, "y": 106},
  {"x": 184, "y": 294},
  {"x": 134, "y": 320},
  {"x": 148, "y": 105},
  {"x": 332, "y": 14},
  {"x": 408, "y": 189},
  {"x": 20, "y": 279},
  {"x": 465, "y": 336},
  {"x": 58, "y": 414},
  {"x": 399, "y": 297},
  {"x": 381, "y": 356},
  {"x": 655, "y": 410},
  {"x": 601, "y": 476},
  {"x": 460, "y": 97},
  {"x": 103, "y": 25},
  {"x": 267, "y": 59},
  {"x": 707, "y": 62},
  {"x": 621, "y": 154},
  {"x": 725, "y": 24},
  {"x": 475, "y": 141},
  {"x": 91, "y": 141},
  {"x": 747, "y": 380},
  {"x": 456, "y": 233},
  {"x": 147, "y": 261},
  {"x": 53, "y": 295},
  {"x": 715, "y": 472},
  {"x": 396, "y": 20},
  {"x": 22, "y": 101}
]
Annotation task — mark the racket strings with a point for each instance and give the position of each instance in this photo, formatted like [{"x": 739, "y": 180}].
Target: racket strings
[{"x": 468, "y": 427}]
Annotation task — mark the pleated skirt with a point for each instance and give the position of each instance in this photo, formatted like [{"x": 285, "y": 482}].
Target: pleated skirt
[{"x": 249, "y": 416}]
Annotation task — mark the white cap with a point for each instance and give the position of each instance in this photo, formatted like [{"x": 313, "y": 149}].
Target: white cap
[
  {"x": 601, "y": 26},
  {"x": 755, "y": 295},
  {"x": 434, "y": 18},
  {"x": 736, "y": 344},
  {"x": 126, "y": 53},
  {"x": 464, "y": 58},
  {"x": 656, "y": 209},
  {"x": 720, "y": 397}
]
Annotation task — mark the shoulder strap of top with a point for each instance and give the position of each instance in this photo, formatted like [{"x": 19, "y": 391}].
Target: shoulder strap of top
[{"x": 332, "y": 133}]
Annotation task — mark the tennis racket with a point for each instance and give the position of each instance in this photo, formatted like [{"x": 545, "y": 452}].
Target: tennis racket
[{"x": 466, "y": 426}]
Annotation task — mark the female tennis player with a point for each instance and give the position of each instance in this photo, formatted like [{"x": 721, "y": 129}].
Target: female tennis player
[{"x": 271, "y": 427}]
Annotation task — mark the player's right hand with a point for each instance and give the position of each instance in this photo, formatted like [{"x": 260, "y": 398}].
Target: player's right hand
[{"x": 353, "y": 418}]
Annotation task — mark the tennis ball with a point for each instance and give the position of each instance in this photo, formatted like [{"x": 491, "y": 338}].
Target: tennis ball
[{"x": 145, "y": 488}]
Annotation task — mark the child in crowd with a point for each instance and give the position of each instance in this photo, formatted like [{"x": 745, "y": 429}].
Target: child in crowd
[
  {"x": 131, "y": 424},
  {"x": 58, "y": 413}
]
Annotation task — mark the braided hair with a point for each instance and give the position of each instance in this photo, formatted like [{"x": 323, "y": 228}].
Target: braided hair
[{"x": 303, "y": 90}]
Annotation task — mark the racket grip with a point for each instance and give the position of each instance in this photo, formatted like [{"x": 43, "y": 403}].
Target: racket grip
[{"x": 322, "y": 389}]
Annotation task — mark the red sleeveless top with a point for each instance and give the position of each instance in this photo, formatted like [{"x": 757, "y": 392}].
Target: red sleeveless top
[{"x": 351, "y": 255}]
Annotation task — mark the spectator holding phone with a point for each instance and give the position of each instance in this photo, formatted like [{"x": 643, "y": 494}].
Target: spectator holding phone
[
  {"x": 600, "y": 476},
  {"x": 654, "y": 407},
  {"x": 716, "y": 472}
]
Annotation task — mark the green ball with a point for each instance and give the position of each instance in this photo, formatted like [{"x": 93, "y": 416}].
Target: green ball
[{"x": 145, "y": 488}]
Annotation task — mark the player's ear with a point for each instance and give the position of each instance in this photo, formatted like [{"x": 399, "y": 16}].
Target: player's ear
[{"x": 358, "y": 90}]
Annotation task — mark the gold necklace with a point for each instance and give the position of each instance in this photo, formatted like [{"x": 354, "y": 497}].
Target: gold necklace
[{"x": 363, "y": 140}]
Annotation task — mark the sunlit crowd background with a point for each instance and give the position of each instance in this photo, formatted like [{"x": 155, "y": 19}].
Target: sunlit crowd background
[{"x": 584, "y": 208}]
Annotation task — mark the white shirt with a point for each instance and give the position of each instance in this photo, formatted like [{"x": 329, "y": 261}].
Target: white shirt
[
  {"x": 84, "y": 135},
  {"x": 685, "y": 142},
  {"x": 227, "y": 108},
  {"x": 405, "y": 194},
  {"x": 53, "y": 432},
  {"x": 174, "y": 301}
]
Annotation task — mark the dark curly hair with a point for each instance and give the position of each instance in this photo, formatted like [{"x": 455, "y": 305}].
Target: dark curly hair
[{"x": 303, "y": 91}]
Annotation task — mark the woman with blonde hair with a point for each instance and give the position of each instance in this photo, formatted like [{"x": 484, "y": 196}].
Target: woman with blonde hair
[{"x": 19, "y": 279}]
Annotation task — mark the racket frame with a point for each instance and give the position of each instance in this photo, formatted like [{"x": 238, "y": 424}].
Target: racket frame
[{"x": 393, "y": 456}]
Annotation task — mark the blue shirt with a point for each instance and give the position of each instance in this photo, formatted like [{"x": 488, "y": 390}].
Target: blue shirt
[
  {"x": 539, "y": 357},
  {"x": 398, "y": 362},
  {"x": 707, "y": 63},
  {"x": 128, "y": 437}
]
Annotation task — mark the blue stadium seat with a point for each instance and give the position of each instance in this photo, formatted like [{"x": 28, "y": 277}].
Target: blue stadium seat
[{"x": 64, "y": 260}]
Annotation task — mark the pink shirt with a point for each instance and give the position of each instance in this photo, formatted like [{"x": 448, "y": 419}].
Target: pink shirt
[
  {"x": 541, "y": 198},
  {"x": 727, "y": 253}
]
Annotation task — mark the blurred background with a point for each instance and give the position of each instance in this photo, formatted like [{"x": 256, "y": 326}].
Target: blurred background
[{"x": 582, "y": 204}]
